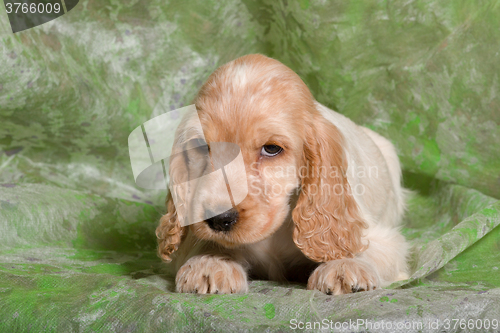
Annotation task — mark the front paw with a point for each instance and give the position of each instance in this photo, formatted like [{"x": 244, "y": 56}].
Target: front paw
[
  {"x": 343, "y": 276},
  {"x": 207, "y": 274}
]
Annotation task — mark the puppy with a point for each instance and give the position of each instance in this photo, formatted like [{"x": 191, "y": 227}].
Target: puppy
[{"x": 324, "y": 199}]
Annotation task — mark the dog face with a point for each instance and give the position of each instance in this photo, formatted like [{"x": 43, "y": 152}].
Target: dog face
[
  {"x": 265, "y": 109},
  {"x": 253, "y": 103}
]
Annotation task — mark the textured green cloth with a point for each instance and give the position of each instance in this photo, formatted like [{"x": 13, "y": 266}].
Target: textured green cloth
[{"x": 77, "y": 243}]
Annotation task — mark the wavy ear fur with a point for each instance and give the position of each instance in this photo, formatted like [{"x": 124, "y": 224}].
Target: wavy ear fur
[
  {"x": 169, "y": 232},
  {"x": 326, "y": 217}
]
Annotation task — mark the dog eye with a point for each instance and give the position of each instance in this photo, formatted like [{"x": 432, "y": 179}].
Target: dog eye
[
  {"x": 198, "y": 145},
  {"x": 271, "y": 150}
]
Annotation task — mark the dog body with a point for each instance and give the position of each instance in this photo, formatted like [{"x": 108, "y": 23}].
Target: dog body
[{"x": 333, "y": 220}]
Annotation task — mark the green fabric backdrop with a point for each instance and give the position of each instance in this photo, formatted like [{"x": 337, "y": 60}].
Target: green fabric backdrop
[{"x": 77, "y": 244}]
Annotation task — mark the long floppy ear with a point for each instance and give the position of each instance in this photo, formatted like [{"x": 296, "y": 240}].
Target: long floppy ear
[
  {"x": 169, "y": 232},
  {"x": 326, "y": 217}
]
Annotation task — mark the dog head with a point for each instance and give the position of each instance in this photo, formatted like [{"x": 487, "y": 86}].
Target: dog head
[{"x": 289, "y": 150}]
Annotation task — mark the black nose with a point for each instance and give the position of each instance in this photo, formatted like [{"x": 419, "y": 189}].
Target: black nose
[{"x": 224, "y": 221}]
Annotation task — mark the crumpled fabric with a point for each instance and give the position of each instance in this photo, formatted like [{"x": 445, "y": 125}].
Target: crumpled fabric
[{"x": 77, "y": 243}]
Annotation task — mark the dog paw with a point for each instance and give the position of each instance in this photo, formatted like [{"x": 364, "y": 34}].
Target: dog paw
[
  {"x": 208, "y": 274},
  {"x": 343, "y": 276}
]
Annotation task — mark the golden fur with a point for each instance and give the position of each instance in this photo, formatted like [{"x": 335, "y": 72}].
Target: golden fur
[{"x": 316, "y": 227}]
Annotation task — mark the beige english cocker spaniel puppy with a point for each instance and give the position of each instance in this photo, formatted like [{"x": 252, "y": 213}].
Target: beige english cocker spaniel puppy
[{"x": 324, "y": 200}]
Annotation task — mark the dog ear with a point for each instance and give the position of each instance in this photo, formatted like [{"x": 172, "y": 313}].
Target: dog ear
[
  {"x": 327, "y": 221},
  {"x": 169, "y": 232}
]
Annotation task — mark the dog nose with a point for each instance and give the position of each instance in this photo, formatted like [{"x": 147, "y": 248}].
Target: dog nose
[{"x": 224, "y": 221}]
